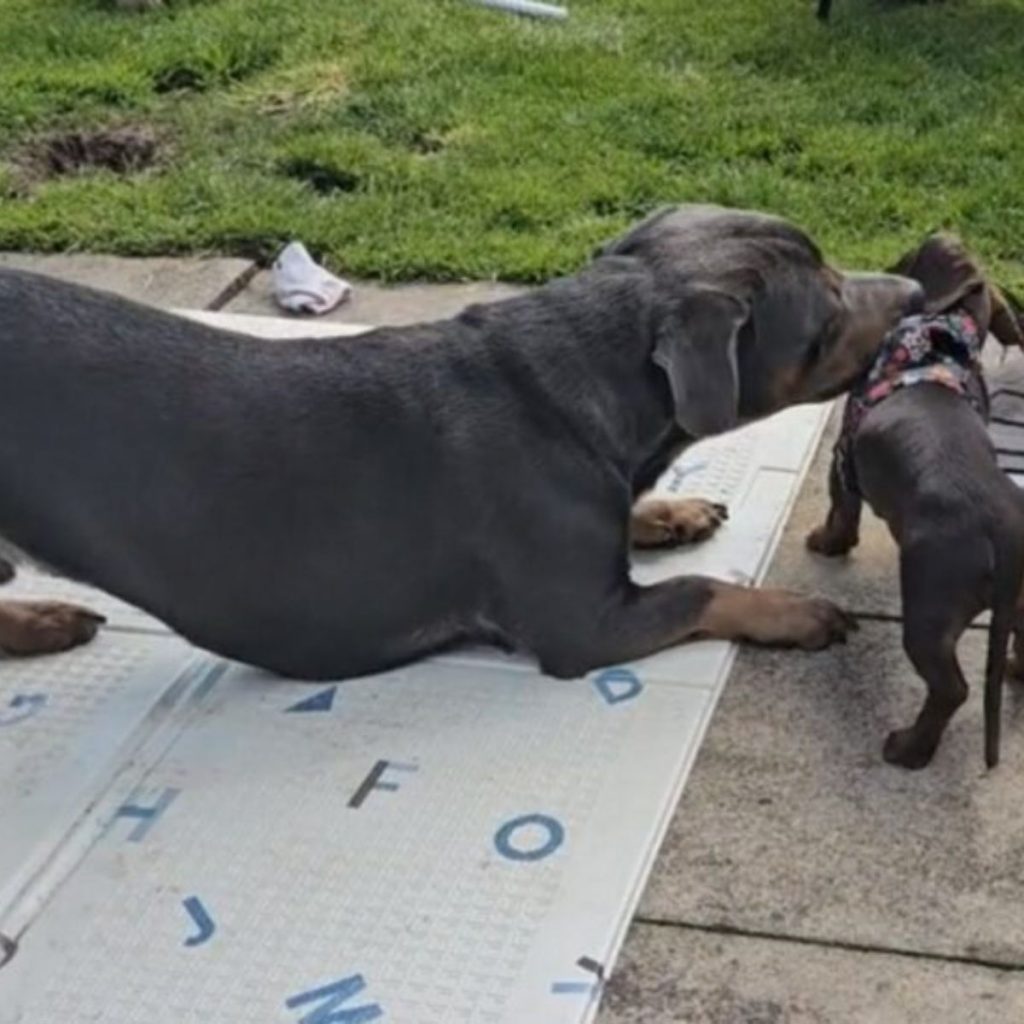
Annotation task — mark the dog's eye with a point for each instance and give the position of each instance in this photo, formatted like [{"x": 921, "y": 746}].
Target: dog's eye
[{"x": 830, "y": 327}]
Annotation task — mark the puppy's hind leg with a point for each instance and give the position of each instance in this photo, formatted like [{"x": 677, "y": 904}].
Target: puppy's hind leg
[
  {"x": 934, "y": 658},
  {"x": 940, "y": 588}
]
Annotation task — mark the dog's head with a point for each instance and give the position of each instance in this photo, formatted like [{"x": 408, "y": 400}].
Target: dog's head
[
  {"x": 749, "y": 318},
  {"x": 953, "y": 280}
]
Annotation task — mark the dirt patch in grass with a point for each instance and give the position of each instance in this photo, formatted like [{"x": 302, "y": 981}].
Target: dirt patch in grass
[{"x": 121, "y": 150}]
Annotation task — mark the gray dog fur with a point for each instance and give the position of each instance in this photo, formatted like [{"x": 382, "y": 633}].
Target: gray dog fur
[{"x": 331, "y": 508}]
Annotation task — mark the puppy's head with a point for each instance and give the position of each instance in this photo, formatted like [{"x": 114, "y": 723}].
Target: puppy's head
[
  {"x": 749, "y": 318},
  {"x": 953, "y": 281}
]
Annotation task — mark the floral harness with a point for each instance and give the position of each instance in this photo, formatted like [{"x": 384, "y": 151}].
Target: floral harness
[{"x": 922, "y": 349}]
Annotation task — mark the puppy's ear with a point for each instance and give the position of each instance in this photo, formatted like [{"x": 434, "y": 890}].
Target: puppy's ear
[
  {"x": 943, "y": 268},
  {"x": 1007, "y": 322},
  {"x": 695, "y": 344}
]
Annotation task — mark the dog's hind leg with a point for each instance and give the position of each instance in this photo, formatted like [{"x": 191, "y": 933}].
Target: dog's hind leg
[
  {"x": 45, "y": 627},
  {"x": 941, "y": 587}
]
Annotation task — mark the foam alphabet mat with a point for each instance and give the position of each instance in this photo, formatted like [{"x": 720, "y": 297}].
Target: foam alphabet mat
[{"x": 461, "y": 841}]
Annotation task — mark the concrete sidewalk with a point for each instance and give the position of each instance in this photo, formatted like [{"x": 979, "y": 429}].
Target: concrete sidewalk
[{"x": 803, "y": 881}]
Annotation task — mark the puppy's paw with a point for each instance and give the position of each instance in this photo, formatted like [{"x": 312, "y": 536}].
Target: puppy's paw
[
  {"x": 45, "y": 627},
  {"x": 823, "y": 541},
  {"x": 906, "y": 748},
  {"x": 669, "y": 522}
]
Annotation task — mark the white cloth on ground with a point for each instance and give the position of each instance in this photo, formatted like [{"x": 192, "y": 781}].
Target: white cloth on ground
[{"x": 301, "y": 285}]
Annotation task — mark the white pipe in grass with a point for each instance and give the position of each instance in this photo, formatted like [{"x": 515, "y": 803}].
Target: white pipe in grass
[{"x": 530, "y": 7}]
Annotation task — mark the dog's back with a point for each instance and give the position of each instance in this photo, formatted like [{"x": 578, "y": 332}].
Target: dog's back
[
  {"x": 924, "y": 462},
  {"x": 282, "y": 502},
  {"x": 261, "y": 483}
]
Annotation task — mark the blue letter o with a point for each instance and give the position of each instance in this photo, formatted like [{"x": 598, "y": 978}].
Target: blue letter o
[{"x": 556, "y": 836}]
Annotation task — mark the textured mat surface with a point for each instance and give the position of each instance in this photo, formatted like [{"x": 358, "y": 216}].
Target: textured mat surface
[{"x": 463, "y": 840}]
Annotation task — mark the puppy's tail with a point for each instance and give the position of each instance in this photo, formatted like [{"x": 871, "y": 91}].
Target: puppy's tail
[{"x": 1009, "y": 570}]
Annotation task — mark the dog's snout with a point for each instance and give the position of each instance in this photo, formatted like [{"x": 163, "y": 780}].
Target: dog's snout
[
  {"x": 903, "y": 294},
  {"x": 873, "y": 305},
  {"x": 888, "y": 295}
]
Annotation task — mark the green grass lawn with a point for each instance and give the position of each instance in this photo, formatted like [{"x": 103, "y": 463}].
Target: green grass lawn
[{"x": 437, "y": 139}]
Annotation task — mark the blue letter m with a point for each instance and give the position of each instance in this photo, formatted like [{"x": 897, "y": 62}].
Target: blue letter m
[{"x": 330, "y": 998}]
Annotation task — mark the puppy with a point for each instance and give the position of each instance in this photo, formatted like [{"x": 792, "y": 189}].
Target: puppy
[{"x": 914, "y": 445}]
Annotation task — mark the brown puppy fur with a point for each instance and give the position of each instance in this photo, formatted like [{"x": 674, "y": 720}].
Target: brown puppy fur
[{"x": 922, "y": 459}]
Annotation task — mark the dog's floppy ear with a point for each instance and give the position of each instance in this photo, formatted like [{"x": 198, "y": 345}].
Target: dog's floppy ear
[
  {"x": 1007, "y": 322},
  {"x": 695, "y": 344},
  {"x": 943, "y": 268}
]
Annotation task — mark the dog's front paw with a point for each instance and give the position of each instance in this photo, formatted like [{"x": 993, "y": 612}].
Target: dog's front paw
[
  {"x": 811, "y": 623},
  {"x": 906, "y": 748},
  {"x": 824, "y": 541},
  {"x": 773, "y": 618},
  {"x": 669, "y": 522},
  {"x": 45, "y": 627}
]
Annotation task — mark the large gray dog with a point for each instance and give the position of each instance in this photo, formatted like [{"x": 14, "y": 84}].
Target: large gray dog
[{"x": 331, "y": 508}]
